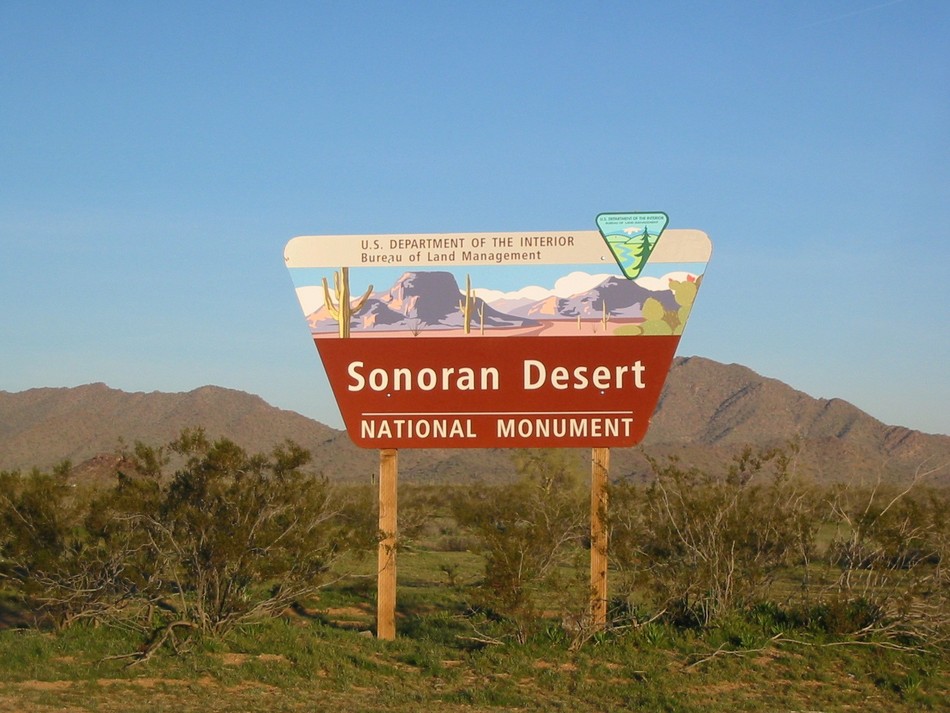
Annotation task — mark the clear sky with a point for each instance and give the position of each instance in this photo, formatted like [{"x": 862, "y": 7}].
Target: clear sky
[{"x": 156, "y": 157}]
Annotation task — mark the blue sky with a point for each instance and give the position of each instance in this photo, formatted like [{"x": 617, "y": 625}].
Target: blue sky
[{"x": 156, "y": 157}]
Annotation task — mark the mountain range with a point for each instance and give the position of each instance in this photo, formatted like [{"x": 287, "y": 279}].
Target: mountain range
[{"x": 707, "y": 412}]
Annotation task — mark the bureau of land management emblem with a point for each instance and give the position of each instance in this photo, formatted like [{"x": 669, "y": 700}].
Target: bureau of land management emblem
[{"x": 632, "y": 237}]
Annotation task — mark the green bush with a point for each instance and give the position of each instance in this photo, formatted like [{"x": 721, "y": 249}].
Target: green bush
[
  {"x": 226, "y": 538},
  {"x": 241, "y": 536},
  {"x": 525, "y": 531},
  {"x": 703, "y": 545},
  {"x": 47, "y": 555},
  {"x": 888, "y": 556}
]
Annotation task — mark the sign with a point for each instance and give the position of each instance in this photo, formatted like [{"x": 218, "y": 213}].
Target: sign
[{"x": 502, "y": 340}]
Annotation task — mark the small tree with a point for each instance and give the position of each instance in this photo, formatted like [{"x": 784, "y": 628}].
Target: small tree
[
  {"x": 61, "y": 556},
  {"x": 243, "y": 536},
  {"x": 684, "y": 292},
  {"x": 227, "y": 538},
  {"x": 39, "y": 540}
]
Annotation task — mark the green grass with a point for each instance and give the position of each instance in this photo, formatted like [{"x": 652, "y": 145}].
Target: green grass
[
  {"x": 317, "y": 659},
  {"x": 321, "y": 655}
]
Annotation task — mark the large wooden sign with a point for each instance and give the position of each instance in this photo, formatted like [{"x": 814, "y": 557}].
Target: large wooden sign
[{"x": 521, "y": 339}]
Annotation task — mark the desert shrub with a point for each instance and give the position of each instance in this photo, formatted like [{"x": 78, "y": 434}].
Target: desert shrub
[
  {"x": 426, "y": 517},
  {"x": 840, "y": 615},
  {"x": 703, "y": 545},
  {"x": 887, "y": 555},
  {"x": 48, "y": 556},
  {"x": 420, "y": 509},
  {"x": 525, "y": 531},
  {"x": 51, "y": 555},
  {"x": 35, "y": 524},
  {"x": 38, "y": 531},
  {"x": 241, "y": 535},
  {"x": 225, "y": 538}
]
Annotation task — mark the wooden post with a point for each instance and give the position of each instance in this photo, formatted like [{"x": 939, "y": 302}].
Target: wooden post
[
  {"x": 386, "y": 576},
  {"x": 600, "y": 466}
]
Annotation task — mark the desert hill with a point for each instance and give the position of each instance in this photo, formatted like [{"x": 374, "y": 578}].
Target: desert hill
[
  {"x": 706, "y": 413},
  {"x": 710, "y": 410}
]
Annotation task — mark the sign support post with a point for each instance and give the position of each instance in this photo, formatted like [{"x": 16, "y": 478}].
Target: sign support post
[
  {"x": 600, "y": 466},
  {"x": 386, "y": 577}
]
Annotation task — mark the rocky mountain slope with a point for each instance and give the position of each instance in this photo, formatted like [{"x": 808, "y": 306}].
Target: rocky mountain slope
[{"x": 708, "y": 411}]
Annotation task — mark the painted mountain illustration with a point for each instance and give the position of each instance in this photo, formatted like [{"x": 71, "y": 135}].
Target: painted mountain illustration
[
  {"x": 421, "y": 301},
  {"x": 433, "y": 302},
  {"x": 624, "y": 300}
]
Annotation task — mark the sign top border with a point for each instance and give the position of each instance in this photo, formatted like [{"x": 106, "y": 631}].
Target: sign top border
[{"x": 581, "y": 247}]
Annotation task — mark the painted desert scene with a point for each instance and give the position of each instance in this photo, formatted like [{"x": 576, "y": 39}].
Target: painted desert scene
[{"x": 435, "y": 304}]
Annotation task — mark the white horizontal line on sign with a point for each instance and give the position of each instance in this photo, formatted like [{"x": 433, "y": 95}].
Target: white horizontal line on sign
[{"x": 390, "y": 414}]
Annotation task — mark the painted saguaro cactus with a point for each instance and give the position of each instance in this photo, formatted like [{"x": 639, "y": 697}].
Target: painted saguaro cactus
[
  {"x": 343, "y": 311},
  {"x": 465, "y": 306}
]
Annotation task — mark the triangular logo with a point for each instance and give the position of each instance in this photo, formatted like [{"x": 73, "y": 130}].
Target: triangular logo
[{"x": 632, "y": 237}]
